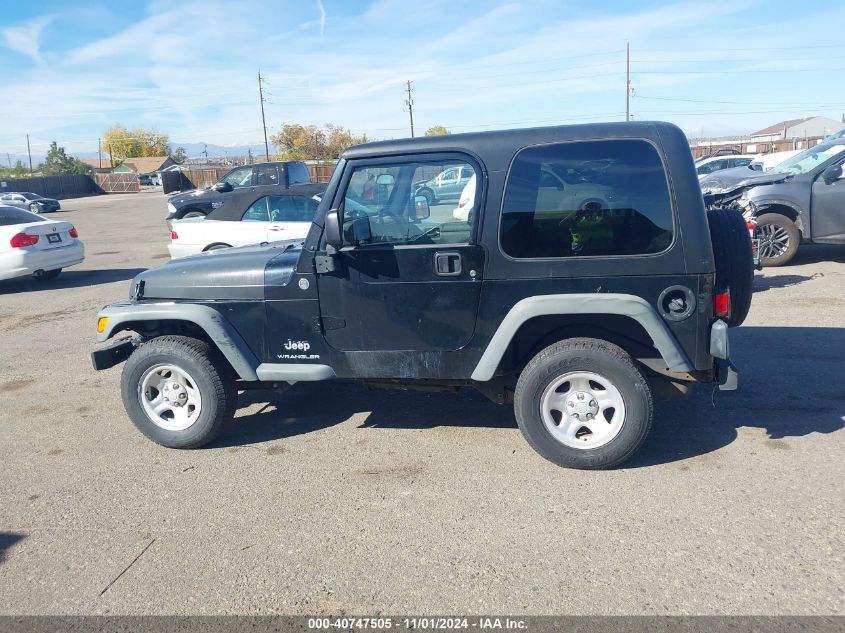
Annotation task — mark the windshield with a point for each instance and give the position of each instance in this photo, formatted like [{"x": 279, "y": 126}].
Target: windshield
[
  {"x": 808, "y": 160},
  {"x": 31, "y": 196},
  {"x": 13, "y": 215}
]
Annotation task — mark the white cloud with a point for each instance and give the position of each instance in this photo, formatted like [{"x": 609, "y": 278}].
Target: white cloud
[
  {"x": 25, "y": 38},
  {"x": 322, "y": 11}
]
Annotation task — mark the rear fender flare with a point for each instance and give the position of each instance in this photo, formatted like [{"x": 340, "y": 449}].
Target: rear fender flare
[{"x": 604, "y": 303}]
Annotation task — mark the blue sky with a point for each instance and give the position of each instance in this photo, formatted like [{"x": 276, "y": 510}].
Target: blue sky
[{"x": 71, "y": 69}]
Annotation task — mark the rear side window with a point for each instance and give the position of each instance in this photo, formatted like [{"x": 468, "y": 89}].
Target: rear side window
[
  {"x": 11, "y": 215},
  {"x": 298, "y": 174},
  {"x": 588, "y": 198}
]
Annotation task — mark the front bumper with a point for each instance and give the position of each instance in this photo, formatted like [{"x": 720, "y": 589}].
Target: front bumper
[
  {"x": 115, "y": 352},
  {"x": 727, "y": 375}
]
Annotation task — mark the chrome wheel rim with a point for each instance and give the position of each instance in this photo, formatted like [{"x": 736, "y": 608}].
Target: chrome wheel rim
[
  {"x": 774, "y": 240},
  {"x": 170, "y": 397},
  {"x": 582, "y": 410}
]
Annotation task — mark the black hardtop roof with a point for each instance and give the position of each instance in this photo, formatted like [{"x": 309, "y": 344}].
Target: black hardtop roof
[
  {"x": 496, "y": 148},
  {"x": 242, "y": 198}
]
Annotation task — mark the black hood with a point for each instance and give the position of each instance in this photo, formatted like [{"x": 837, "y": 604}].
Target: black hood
[
  {"x": 229, "y": 274},
  {"x": 728, "y": 180}
]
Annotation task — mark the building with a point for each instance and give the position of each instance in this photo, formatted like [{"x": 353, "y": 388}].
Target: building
[
  {"x": 806, "y": 128},
  {"x": 98, "y": 166},
  {"x": 784, "y": 136},
  {"x": 144, "y": 165}
]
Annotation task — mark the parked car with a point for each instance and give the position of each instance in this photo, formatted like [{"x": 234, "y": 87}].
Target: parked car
[
  {"x": 30, "y": 201},
  {"x": 250, "y": 216},
  {"x": 445, "y": 186},
  {"x": 574, "y": 315},
  {"x": 801, "y": 200},
  {"x": 764, "y": 162},
  {"x": 718, "y": 163},
  {"x": 151, "y": 180},
  {"x": 33, "y": 245},
  {"x": 201, "y": 202}
]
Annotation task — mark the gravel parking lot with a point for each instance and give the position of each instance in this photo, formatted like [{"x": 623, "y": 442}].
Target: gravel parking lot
[{"x": 331, "y": 498}]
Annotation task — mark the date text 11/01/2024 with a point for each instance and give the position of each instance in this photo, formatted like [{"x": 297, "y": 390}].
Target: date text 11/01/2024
[{"x": 483, "y": 623}]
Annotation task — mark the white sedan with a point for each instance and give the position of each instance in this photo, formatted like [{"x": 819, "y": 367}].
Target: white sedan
[
  {"x": 252, "y": 217},
  {"x": 33, "y": 245}
]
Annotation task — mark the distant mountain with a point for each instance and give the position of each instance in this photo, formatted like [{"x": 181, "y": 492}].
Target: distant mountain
[{"x": 194, "y": 150}]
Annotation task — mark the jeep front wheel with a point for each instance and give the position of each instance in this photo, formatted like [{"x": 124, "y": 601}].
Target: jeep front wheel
[
  {"x": 582, "y": 403},
  {"x": 178, "y": 391}
]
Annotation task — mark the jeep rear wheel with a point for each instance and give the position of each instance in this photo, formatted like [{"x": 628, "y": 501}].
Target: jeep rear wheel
[
  {"x": 779, "y": 239},
  {"x": 178, "y": 391},
  {"x": 582, "y": 403}
]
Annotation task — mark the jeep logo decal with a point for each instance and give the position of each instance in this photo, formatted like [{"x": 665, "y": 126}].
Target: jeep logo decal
[{"x": 300, "y": 345}]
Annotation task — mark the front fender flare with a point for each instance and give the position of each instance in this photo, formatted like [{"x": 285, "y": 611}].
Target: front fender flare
[
  {"x": 595, "y": 303},
  {"x": 219, "y": 330}
]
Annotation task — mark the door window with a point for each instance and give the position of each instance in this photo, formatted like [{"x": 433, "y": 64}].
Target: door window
[
  {"x": 585, "y": 199},
  {"x": 241, "y": 177},
  {"x": 267, "y": 175},
  {"x": 257, "y": 212},
  {"x": 386, "y": 204},
  {"x": 298, "y": 174}
]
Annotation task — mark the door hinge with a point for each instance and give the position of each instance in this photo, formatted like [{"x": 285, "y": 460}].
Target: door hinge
[
  {"x": 322, "y": 324},
  {"x": 325, "y": 264}
]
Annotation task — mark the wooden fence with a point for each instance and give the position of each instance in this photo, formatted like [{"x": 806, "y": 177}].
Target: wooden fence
[
  {"x": 118, "y": 183},
  {"x": 701, "y": 148},
  {"x": 52, "y": 186}
]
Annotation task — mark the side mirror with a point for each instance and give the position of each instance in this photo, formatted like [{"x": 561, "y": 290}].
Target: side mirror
[
  {"x": 333, "y": 235},
  {"x": 385, "y": 180},
  {"x": 832, "y": 174},
  {"x": 421, "y": 208},
  {"x": 223, "y": 187}
]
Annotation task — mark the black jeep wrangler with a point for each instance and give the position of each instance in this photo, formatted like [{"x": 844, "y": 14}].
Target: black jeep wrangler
[{"x": 585, "y": 277}]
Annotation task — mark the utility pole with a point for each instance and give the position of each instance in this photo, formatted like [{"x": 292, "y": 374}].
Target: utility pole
[
  {"x": 9, "y": 158},
  {"x": 628, "y": 81},
  {"x": 205, "y": 151},
  {"x": 409, "y": 101},
  {"x": 100, "y": 152},
  {"x": 249, "y": 153},
  {"x": 28, "y": 151},
  {"x": 263, "y": 120},
  {"x": 111, "y": 157}
]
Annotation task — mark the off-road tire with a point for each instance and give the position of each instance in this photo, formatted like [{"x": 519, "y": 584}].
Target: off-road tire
[
  {"x": 734, "y": 260},
  {"x": 794, "y": 238},
  {"x": 584, "y": 355},
  {"x": 213, "y": 377}
]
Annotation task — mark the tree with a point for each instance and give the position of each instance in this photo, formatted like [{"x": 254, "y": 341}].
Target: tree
[
  {"x": 437, "y": 130},
  {"x": 18, "y": 171},
  {"x": 339, "y": 140},
  {"x": 179, "y": 156},
  {"x": 122, "y": 142},
  {"x": 298, "y": 142},
  {"x": 58, "y": 163}
]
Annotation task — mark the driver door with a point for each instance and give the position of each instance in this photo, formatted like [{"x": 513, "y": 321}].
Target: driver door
[
  {"x": 828, "y": 209},
  {"x": 405, "y": 279}
]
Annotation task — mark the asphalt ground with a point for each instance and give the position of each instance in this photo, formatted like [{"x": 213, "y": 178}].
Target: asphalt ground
[{"x": 331, "y": 498}]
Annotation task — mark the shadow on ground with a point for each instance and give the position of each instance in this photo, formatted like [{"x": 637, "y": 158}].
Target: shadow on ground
[
  {"x": 763, "y": 283},
  {"x": 7, "y": 540},
  {"x": 814, "y": 253},
  {"x": 69, "y": 279},
  {"x": 786, "y": 389}
]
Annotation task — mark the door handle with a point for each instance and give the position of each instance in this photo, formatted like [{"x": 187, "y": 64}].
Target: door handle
[
  {"x": 447, "y": 264},
  {"x": 277, "y": 228}
]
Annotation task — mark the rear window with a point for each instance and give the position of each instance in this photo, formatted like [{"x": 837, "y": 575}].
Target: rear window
[
  {"x": 587, "y": 198},
  {"x": 11, "y": 215},
  {"x": 298, "y": 174}
]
